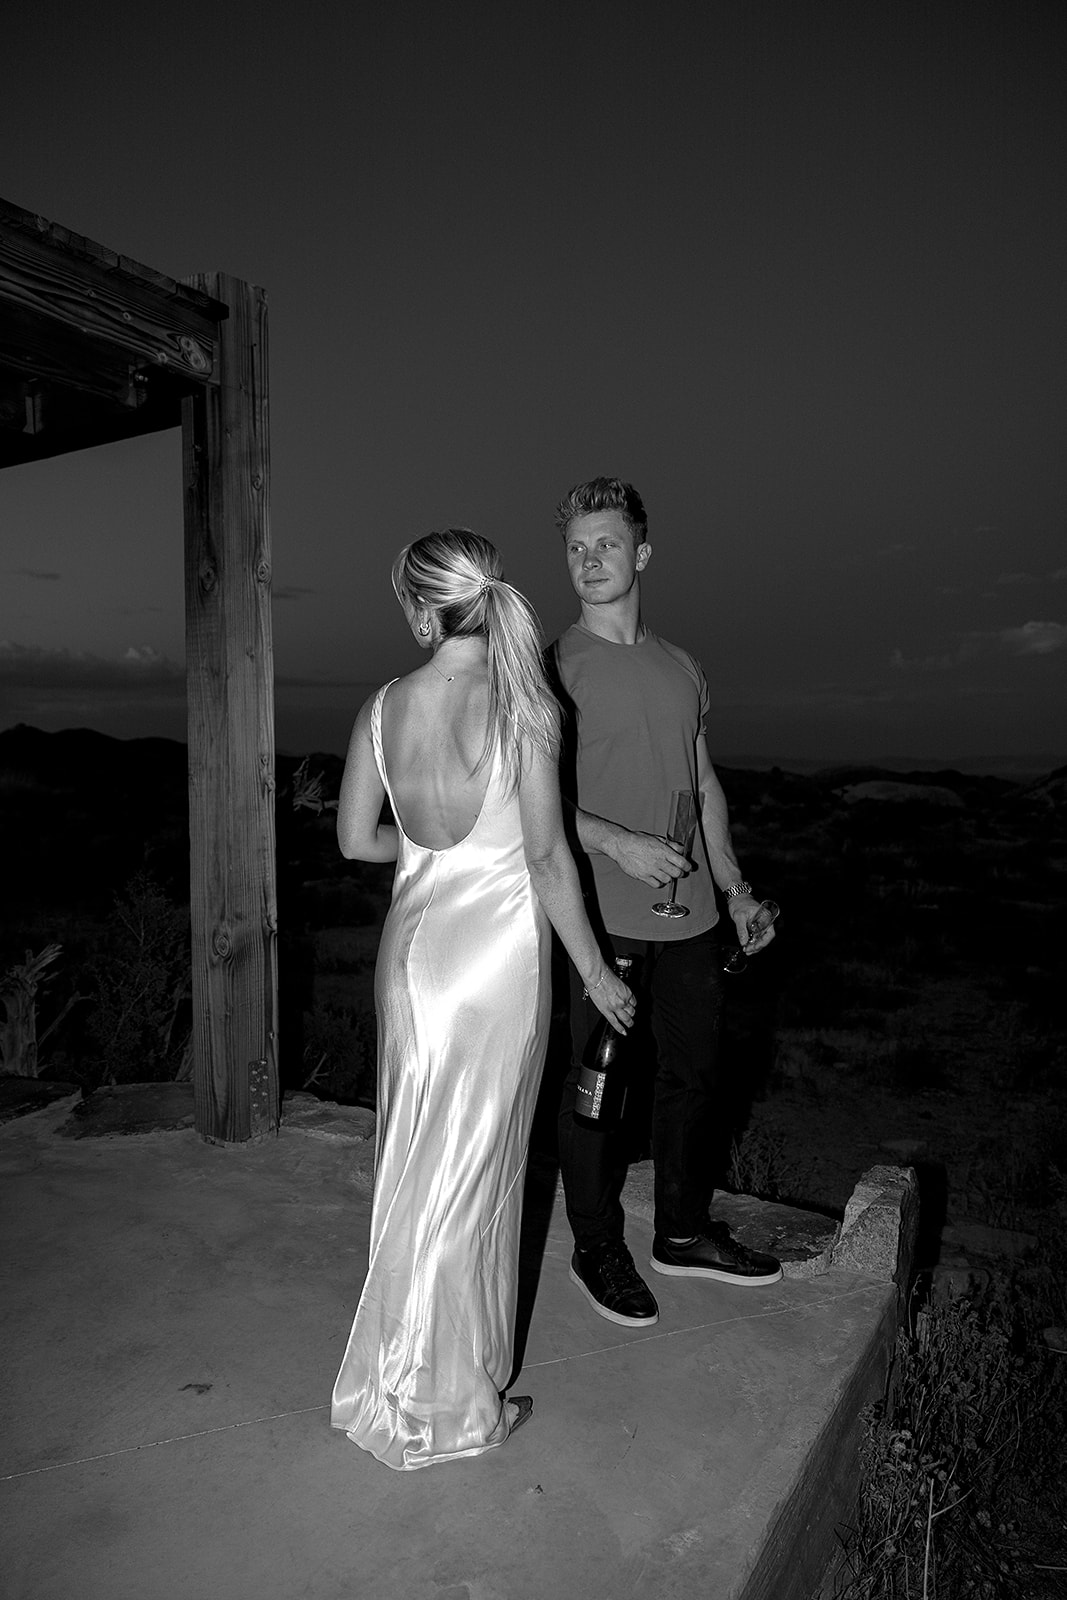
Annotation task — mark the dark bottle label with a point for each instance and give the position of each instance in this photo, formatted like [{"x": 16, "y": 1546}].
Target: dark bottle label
[
  {"x": 592, "y": 1082},
  {"x": 590, "y": 1101}
]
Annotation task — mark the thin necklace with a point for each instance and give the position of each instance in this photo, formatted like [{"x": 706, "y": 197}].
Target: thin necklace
[{"x": 450, "y": 679}]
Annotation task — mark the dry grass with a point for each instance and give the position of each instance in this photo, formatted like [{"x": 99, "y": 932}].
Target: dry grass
[{"x": 962, "y": 1464}]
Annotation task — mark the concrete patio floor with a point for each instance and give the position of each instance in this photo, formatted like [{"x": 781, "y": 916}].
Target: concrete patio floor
[{"x": 174, "y": 1313}]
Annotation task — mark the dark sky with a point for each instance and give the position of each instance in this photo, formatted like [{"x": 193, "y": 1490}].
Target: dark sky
[{"x": 797, "y": 270}]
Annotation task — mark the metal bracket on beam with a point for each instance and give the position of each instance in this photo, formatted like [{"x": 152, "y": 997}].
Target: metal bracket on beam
[{"x": 33, "y": 400}]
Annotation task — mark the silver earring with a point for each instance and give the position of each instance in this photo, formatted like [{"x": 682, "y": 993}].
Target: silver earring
[{"x": 424, "y": 629}]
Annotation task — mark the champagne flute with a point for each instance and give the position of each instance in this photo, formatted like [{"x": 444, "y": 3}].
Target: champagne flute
[
  {"x": 681, "y": 831},
  {"x": 761, "y": 918}
]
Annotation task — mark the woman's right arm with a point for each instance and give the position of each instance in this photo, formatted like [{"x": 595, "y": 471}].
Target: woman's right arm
[
  {"x": 555, "y": 878},
  {"x": 359, "y": 833}
]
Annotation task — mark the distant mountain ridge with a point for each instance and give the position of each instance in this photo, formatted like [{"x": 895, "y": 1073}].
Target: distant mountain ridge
[
  {"x": 1021, "y": 768},
  {"x": 23, "y": 743}
]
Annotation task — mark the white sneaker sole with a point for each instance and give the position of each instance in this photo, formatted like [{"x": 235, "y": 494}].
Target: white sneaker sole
[
  {"x": 612, "y": 1316},
  {"x": 723, "y": 1276}
]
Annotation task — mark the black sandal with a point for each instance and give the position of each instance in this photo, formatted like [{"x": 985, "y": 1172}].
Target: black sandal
[{"x": 524, "y": 1403}]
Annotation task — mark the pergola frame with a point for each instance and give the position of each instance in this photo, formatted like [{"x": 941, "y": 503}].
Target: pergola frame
[{"x": 95, "y": 348}]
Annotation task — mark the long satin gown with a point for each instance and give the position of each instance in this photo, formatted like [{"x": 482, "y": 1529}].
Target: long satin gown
[{"x": 462, "y": 995}]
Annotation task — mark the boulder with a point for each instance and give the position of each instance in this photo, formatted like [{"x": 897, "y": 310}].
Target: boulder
[{"x": 880, "y": 1225}]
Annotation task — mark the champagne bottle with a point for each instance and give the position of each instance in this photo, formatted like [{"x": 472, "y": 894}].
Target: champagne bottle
[{"x": 601, "y": 1093}]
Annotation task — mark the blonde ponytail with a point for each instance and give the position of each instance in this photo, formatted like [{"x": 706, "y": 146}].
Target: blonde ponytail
[
  {"x": 522, "y": 708},
  {"x": 460, "y": 576}
]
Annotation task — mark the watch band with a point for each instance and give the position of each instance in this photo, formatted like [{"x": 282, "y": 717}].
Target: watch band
[{"x": 738, "y": 888}]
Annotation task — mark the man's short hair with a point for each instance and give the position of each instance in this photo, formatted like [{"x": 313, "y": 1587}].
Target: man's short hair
[{"x": 604, "y": 494}]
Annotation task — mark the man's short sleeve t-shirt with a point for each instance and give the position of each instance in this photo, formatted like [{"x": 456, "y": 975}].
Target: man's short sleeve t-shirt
[{"x": 635, "y": 712}]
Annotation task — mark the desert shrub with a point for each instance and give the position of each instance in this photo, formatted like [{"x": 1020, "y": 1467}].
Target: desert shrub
[
  {"x": 337, "y": 903},
  {"x": 343, "y": 952},
  {"x": 953, "y": 1459},
  {"x": 757, "y": 1165},
  {"x": 912, "y": 1065},
  {"x": 341, "y": 1055},
  {"x": 21, "y": 989},
  {"x": 308, "y": 790},
  {"x": 1016, "y": 1172},
  {"x": 890, "y": 1051},
  {"x": 140, "y": 981}
]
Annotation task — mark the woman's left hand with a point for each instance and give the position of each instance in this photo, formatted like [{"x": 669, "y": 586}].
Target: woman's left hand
[{"x": 614, "y": 1000}]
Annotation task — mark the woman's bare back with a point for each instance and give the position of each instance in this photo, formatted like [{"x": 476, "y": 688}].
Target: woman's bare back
[{"x": 433, "y": 735}]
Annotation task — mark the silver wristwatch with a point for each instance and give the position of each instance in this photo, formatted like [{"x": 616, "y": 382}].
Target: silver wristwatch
[{"x": 738, "y": 888}]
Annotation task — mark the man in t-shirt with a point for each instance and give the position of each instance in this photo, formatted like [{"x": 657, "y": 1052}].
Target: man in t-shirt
[{"x": 635, "y": 709}]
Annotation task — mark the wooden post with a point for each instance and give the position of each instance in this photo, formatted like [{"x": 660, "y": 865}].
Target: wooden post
[{"x": 231, "y": 728}]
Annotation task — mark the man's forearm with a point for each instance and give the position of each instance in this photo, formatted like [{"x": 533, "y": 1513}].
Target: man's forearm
[
  {"x": 596, "y": 835},
  {"x": 645, "y": 856},
  {"x": 716, "y": 821},
  {"x": 724, "y": 867}
]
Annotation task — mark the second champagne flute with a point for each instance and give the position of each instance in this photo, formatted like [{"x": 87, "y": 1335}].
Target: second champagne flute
[{"x": 761, "y": 918}]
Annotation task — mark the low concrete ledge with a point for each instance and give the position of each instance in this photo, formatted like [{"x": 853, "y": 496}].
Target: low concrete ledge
[
  {"x": 324, "y": 1119},
  {"x": 131, "y": 1108},
  {"x": 876, "y": 1238},
  {"x": 21, "y": 1097},
  {"x": 801, "y": 1548}
]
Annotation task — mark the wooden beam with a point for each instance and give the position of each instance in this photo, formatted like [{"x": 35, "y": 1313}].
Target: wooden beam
[
  {"x": 37, "y": 351},
  {"x": 82, "y": 394},
  {"x": 47, "y": 292},
  {"x": 39, "y": 421},
  {"x": 79, "y": 248},
  {"x": 231, "y": 729}
]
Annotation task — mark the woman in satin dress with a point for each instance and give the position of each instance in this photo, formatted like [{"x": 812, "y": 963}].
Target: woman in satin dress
[{"x": 465, "y": 750}]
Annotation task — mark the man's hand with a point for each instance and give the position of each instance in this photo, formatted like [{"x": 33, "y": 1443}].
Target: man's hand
[
  {"x": 648, "y": 857},
  {"x": 743, "y": 908}
]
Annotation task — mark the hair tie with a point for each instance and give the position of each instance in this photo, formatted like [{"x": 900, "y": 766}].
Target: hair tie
[{"x": 485, "y": 583}]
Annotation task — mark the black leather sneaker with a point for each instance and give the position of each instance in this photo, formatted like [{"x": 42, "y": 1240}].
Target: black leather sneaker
[
  {"x": 613, "y": 1286},
  {"x": 715, "y": 1254}
]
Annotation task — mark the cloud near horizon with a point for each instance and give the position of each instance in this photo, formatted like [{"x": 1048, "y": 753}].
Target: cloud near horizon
[
  {"x": 1035, "y": 638},
  {"x": 25, "y": 666},
  {"x": 36, "y": 667},
  {"x": 1029, "y": 639},
  {"x": 968, "y": 647}
]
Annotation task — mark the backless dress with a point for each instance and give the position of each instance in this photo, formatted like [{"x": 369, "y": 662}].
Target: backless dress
[{"x": 462, "y": 995}]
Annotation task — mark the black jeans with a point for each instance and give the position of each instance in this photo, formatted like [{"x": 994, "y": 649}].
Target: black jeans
[{"x": 681, "y": 982}]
